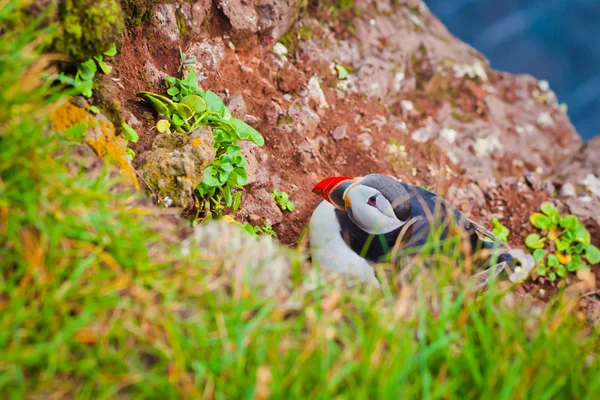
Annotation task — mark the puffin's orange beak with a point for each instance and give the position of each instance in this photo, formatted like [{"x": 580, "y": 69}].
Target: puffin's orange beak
[{"x": 332, "y": 190}]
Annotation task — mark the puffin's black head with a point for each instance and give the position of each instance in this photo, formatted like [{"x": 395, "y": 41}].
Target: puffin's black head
[{"x": 375, "y": 203}]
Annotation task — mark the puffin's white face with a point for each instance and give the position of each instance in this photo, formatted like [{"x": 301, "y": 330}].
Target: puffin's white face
[{"x": 370, "y": 210}]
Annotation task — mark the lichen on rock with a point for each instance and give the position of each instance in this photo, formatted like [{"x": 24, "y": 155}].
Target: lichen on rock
[
  {"x": 106, "y": 95},
  {"x": 100, "y": 136},
  {"x": 175, "y": 165},
  {"x": 88, "y": 27}
]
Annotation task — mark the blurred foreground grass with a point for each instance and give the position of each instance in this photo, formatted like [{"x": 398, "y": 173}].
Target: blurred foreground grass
[{"x": 95, "y": 303}]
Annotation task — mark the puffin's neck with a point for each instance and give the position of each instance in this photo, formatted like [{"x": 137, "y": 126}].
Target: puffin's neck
[{"x": 372, "y": 247}]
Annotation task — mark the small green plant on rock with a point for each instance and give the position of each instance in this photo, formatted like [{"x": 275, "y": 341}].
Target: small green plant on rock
[
  {"x": 189, "y": 108},
  {"x": 283, "y": 201},
  {"x": 254, "y": 230},
  {"x": 185, "y": 60},
  {"x": 83, "y": 81},
  {"x": 562, "y": 246},
  {"x": 130, "y": 136}
]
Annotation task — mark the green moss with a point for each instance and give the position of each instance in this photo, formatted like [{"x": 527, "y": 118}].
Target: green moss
[
  {"x": 181, "y": 24},
  {"x": 88, "y": 27},
  {"x": 137, "y": 11}
]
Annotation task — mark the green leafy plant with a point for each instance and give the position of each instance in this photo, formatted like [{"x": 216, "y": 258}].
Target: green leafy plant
[
  {"x": 254, "y": 230},
  {"x": 186, "y": 60},
  {"x": 130, "y": 136},
  {"x": 500, "y": 230},
  {"x": 283, "y": 201},
  {"x": 83, "y": 81},
  {"x": 188, "y": 108},
  {"x": 563, "y": 244}
]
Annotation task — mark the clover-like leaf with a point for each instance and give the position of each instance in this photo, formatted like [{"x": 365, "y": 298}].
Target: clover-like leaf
[
  {"x": 592, "y": 254},
  {"x": 561, "y": 245},
  {"x": 227, "y": 195},
  {"x": 214, "y": 103},
  {"x": 185, "y": 111},
  {"x": 177, "y": 120},
  {"x": 533, "y": 241},
  {"x": 538, "y": 255},
  {"x": 237, "y": 200},
  {"x": 248, "y": 131},
  {"x": 579, "y": 248},
  {"x": 130, "y": 154},
  {"x": 209, "y": 177},
  {"x": 569, "y": 236},
  {"x": 574, "y": 263},
  {"x": 552, "y": 276},
  {"x": 85, "y": 87},
  {"x": 582, "y": 235},
  {"x": 112, "y": 51},
  {"x": 541, "y": 269},
  {"x": 548, "y": 209},
  {"x": 192, "y": 78},
  {"x": 170, "y": 81},
  {"x": 163, "y": 125},
  {"x": 225, "y": 166},
  {"x": 553, "y": 261},
  {"x": 540, "y": 221},
  {"x": 249, "y": 229},
  {"x": 173, "y": 91},
  {"x": 130, "y": 133},
  {"x": 223, "y": 175},
  {"x": 87, "y": 70},
  {"x": 242, "y": 177},
  {"x": 569, "y": 222},
  {"x": 561, "y": 271},
  {"x": 196, "y": 103},
  {"x": 107, "y": 69},
  {"x": 233, "y": 179}
]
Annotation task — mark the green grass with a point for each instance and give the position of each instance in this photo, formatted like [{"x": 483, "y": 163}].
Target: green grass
[{"x": 95, "y": 302}]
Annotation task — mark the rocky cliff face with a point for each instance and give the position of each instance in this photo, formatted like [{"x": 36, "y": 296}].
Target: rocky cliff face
[{"x": 417, "y": 103}]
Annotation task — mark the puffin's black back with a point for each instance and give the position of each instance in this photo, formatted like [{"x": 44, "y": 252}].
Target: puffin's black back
[
  {"x": 438, "y": 208},
  {"x": 423, "y": 202}
]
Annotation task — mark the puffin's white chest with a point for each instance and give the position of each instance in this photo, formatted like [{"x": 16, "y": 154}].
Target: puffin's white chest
[{"x": 328, "y": 248}]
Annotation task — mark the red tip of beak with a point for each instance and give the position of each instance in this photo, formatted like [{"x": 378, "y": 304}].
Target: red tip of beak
[{"x": 326, "y": 186}]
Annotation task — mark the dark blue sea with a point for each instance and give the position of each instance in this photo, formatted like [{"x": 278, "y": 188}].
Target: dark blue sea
[{"x": 556, "y": 40}]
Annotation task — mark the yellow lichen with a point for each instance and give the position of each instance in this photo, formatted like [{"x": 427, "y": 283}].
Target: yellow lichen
[
  {"x": 196, "y": 142},
  {"x": 104, "y": 141},
  {"x": 68, "y": 115}
]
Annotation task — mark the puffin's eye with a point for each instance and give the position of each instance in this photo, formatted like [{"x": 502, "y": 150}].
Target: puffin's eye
[{"x": 372, "y": 201}]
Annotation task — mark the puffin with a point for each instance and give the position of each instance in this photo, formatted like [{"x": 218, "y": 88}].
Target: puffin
[{"x": 366, "y": 220}]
